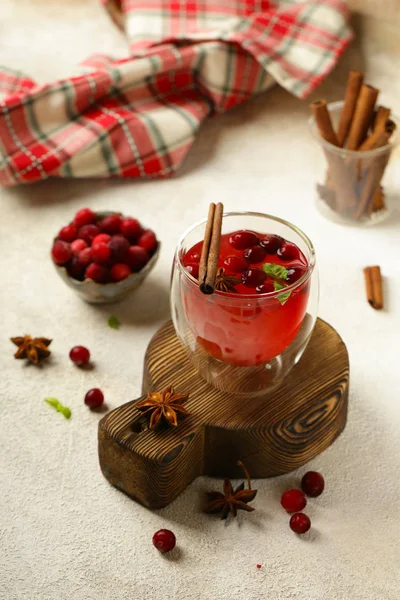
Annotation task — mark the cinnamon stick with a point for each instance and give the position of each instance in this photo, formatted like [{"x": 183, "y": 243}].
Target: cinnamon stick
[
  {"x": 362, "y": 116},
  {"x": 354, "y": 83},
  {"x": 382, "y": 116},
  {"x": 206, "y": 243},
  {"x": 377, "y": 139},
  {"x": 210, "y": 252},
  {"x": 373, "y": 286},
  {"x": 378, "y": 201},
  {"x": 323, "y": 121}
]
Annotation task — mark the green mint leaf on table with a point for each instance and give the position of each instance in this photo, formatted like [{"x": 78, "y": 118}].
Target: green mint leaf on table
[
  {"x": 276, "y": 273},
  {"x": 113, "y": 322},
  {"x": 59, "y": 407}
]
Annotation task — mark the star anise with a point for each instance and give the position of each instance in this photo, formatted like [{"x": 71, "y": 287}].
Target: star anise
[
  {"x": 163, "y": 406},
  {"x": 33, "y": 349},
  {"x": 224, "y": 282},
  {"x": 232, "y": 500}
]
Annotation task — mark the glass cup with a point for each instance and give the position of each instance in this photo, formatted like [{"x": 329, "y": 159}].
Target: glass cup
[
  {"x": 353, "y": 188},
  {"x": 244, "y": 344}
]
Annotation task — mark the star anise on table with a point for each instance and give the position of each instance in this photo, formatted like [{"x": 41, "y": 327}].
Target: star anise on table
[
  {"x": 224, "y": 282},
  {"x": 232, "y": 500},
  {"x": 33, "y": 349},
  {"x": 164, "y": 407}
]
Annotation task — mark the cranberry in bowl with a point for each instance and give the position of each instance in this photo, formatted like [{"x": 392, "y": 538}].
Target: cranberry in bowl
[{"x": 104, "y": 256}]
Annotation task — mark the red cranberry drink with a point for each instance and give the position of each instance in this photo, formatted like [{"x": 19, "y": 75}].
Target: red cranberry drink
[{"x": 252, "y": 317}]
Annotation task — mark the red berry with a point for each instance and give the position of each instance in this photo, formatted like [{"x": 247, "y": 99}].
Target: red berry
[
  {"x": 96, "y": 272},
  {"x": 266, "y": 287},
  {"x": 258, "y": 566},
  {"x": 293, "y": 500},
  {"x": 137, "y": 258},
  {"x": 148, "y": 240},
  {"x": 110, "y": 224},
  {"x": 88, "y": 233},
  {"x": 193, "y": 269},
  {"x": 68, "y": 233},
  {"x": 253, "y": 277},
  {"x": 61, "y": 252},
  {"x": 131, "y": 228},
  {"x": 235, "y": 264},
  {"x": 299, "y": 523},
  {"x": 120, "y": 271},
  {"x": 243, "y": 239},
  {"x": 255, "y": 254},
  {"x": 101, "y": 252},
  {"x": 85, "y": 257},
  {"x": 312, "y": 484},
  {"x": 84, "y": 217},
  {"x": 272, "y": 243},
  {"x": 192, "y": 257},
  {"x": 119, "y": 247},
  {"x": 164, "y": 540},
  {"x": 288, "y": 251},
  {"x": 75, "y": 269},
  {"x": 94, "y": 398},
  {"x": 77, "y": 246},
  {"x": 79, "y": 355},
  {"x": 102, "y": 237}
]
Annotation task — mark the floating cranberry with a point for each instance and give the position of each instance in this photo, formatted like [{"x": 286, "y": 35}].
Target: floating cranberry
[
  {"x": 299, "y": 523},
  {"x": 119, "y": 247},
  {"x": 193, "y": 269},
  {"x": 96, "y": 272},
  {"x": 102, "y": 237},
  {"x": 137, "y": 258},
  {"x": 313, "y": 484},
  {"x": 131, "y": 228},
  {"x": 79, "y": 355},
  {"x": 101, "y": 252},
  {"x": 236, "y": 264},
  {"x": 94, "y": 398},
  {"x": 253, "y": 277},
  {"x": 193, "y": 257},
  {"x": 243, "y": 239},
  {"x": 88, "y": 233},
  {"x": 85, "y": 216},
  {"x": 255, "y": 254},
  {"x": 293, "y": 500},
  {"x": 120, "y": 271},
  {"x": 77, "y": 246},
  {"x": 61, "y": 252},
  {"x": 294, "y": 274},
  {"x": 68, "y": 233},
  {"x": 288, "y": 251},
  {"x": 272, "y": 243},
  {"x": 148, "y": 241},
  {"x": 110, "y": 224},
  {"x": 266, "y": 287},
  {"x": 164, "y": 540}
]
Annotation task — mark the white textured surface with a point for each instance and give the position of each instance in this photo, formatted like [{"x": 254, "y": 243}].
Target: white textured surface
[{"x": 64, "y": 532}]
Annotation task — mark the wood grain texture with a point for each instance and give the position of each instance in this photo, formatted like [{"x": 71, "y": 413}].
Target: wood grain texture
[{"x": 271, "y": 434}]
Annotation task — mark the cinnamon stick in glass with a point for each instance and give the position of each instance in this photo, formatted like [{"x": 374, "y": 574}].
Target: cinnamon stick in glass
[
  {"x": 354, "y": 83},
  {"x": 210, "y": 252},
  {"x": 373, "y": 286},
  {"x": 381, "y": 118},
  {"x": 363, "y": 115},
  {"x": 323, "y": 121}
]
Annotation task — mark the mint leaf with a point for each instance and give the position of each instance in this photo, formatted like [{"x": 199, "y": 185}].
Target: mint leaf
[
  {"x": 275, "y": 270},
  {"x": 282, "y": 297},
  {"x": 59, "y": 407},
  {"x": 113, "y": 322}
]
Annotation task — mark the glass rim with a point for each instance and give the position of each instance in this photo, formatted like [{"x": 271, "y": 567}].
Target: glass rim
[
  {"x": 344, "y": 151},
  {"x": 305, "y": 277}
]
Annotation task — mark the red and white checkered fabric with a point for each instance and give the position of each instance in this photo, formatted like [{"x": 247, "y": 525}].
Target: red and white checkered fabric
[{"x": 138, "y": 117}]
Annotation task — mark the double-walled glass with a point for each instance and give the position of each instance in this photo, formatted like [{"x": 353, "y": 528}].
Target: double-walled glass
[{"x": 244, "y": 344}]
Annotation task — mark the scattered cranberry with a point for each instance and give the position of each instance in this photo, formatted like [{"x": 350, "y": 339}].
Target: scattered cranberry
[
  {"x": 259, "y": 566},
  {"x": 61, "y": 252},
  {"x": 88, "y": 233},
  {"x": 79, "y": 355},
  {"x": 102, "y": 237},
  {"x": 85, "y": 216},
  {"x": 101, "y": 252},
  {"x": 293, "y": 501},
  {"x": 299, "y": 523},
  {"x": 77, "y": 246},
  {"x": 119, "y": 247},
  {"x": 294, "y": 274},
  {"x": 255, "y": 254},
  {"x": 137, "y": 258},
  {"x": 313, "y": 484},
  {"x": 253, "y": 277},
  {"x": 131, "y": 228},
  {"x": 266, "y": 287},
  {"x": 193, "y": 269},
  {"x": 164, "y": 540},
  {"x": 96, "y": 272},
  {"x": 120, "y": 271},
  {"x": 111, "y": 224},
  {"x": 288, "y": 251},
  {"x": 272, "y": 243},
  {"x": 68, "y": 233},
  {"x": 148, "y": 240},
  {"x": 236, "y": 264},
  {"x": 85, "y": 257},
  {"x": 243, "y": 239},
  {"x": 94, "y": 398}
]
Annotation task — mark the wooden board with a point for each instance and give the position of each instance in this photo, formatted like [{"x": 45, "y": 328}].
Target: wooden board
[{"x": 272, "y": 434}]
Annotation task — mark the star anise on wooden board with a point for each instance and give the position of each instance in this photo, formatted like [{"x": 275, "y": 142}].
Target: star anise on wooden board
[
  {"x": 164, "y": 407},
  {"x": 232, "y": 500},
  {"x": 33, "y": 349},
  {"x": 224, "y": 282}
]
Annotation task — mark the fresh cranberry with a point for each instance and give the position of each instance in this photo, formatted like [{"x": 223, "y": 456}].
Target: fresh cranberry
[
  {"x": 102, "y": 237},
  {"x": 137, "y": 258},
  {"x": 75, "y": 269},
  {"x": 193, "y": 269},
  {"x": 293, "y": 500},
  {"x": 96, "y": 272},
  {"x": 110, "y": 224},
  {"x": 272, "y": 243},
  {"x": 294, "y": 274},
  {"x": 85, "y": 257},
  {"x": 164, "y": 540},
  {"x": 79, "y": 355},
  {"x": 85, "y": 216},
  {"x": 101, "y": 252},
  {"x": 312, "y": 484},
  {"x": 148, "y": 240},
  {"x": 131, "y": 228},
  {"x": 68, "y": 233},
  {"x": 88, "y": 233},
  {"x": 119, "y": 247},
  {"x": 255, "y": 254},
  {"x": 94, "y": 398},
  {"x": 266, "y": 287},
  {"x": 288, "y": 251},
  {"x": 253, "y": 277},
  {"x": 61, "y": 252},
  {"x": 236, "y": 264},
  {"x": 299, "y": 523},
  {"x": 120, "y": 271},
  {"x": 192, "y": 257},
  {"x": 77, "y": 246},
  {"x": 243, "y": 239}
]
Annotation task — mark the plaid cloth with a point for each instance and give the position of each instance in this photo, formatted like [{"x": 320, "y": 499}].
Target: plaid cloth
[{"x": 138, "y": 117}]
